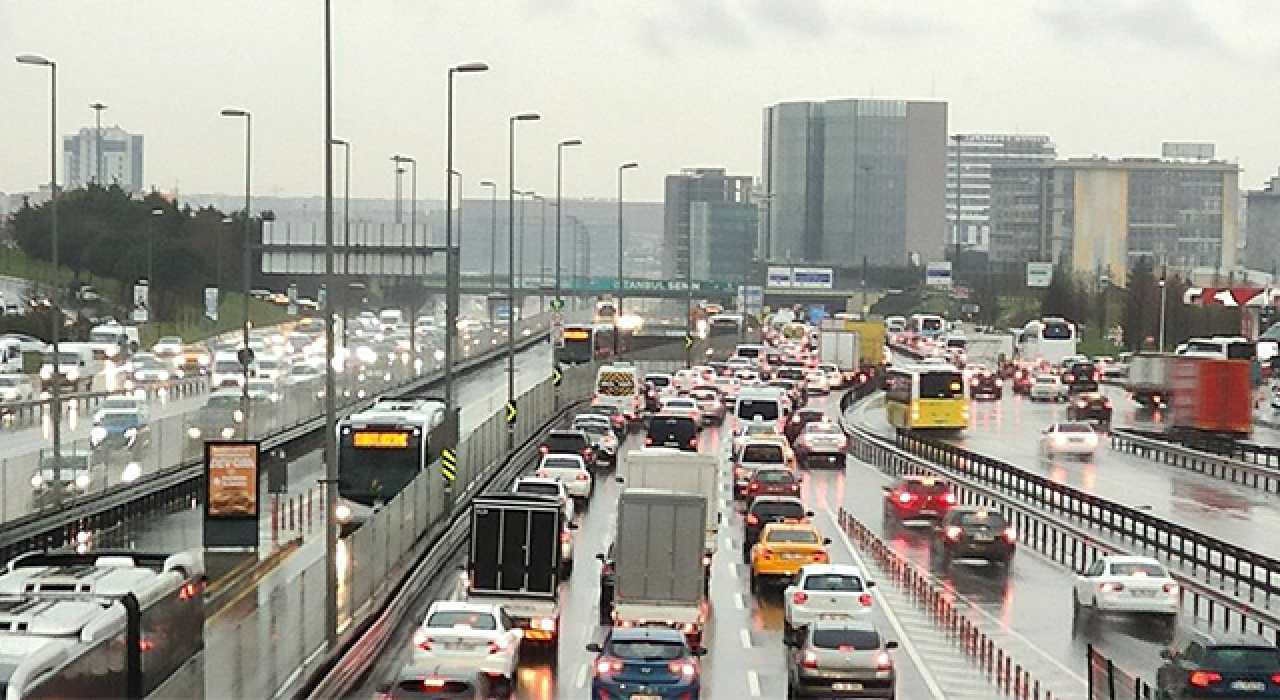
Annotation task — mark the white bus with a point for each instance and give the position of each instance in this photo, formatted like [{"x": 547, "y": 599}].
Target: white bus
[
  {"x": 1220, "y": 347},
  {"x": 380, "y": 451},
  {"x": 1050, "y": 340},
  {"x": 926, "y": 325}
]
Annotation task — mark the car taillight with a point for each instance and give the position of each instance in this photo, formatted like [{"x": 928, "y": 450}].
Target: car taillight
[
  {"x": 683, "y": 668},
  {"x": 1204, "y": 679},
  {"x": 586, "y": 453},
  {"x": 766, "y": 553},
  {"x": 754, "y": 486},
  {"x": 865, "y": 600},
  {"x": 1111, "y": 587},
  {"x": 604, "y": 668},
  {"x": 953, "y": 533},
  {"x": 739, "y": 471},
  {"x": 544, "y": 450},
  {"x": 693, "y": 442},
  {"x": 949, "y": 498},
  {"x": 583, "y": 476},
  {"x": 905, "y": 497},
  {"x": 564, "y": 535},
  {"x": 1171, "y": 588},
  {"x": 810, "y": 660},
  {"x": 753, "y": 519},
  {"x": 1010, "y": 535},
  {"x": 793, "y": 487},
  {"x": 540, "y": 473},
  {"x": 820, "y": 556},
  {"x": 1275, "y": 678},
  {"x": 799, "y": 597},
  {"x": 648, "y": 441},
  {"x": 496, "y": 647},
  {"x": 883, "y": 662}
]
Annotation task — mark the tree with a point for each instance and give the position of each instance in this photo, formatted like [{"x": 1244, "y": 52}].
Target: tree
[
  {"x": 1142, "y": 294},
  {"x": 1060, "y": 296}
]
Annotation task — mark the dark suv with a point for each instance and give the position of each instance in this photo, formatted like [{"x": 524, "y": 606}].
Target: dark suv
[
  {"x": 986, "y": 384},
  {"x": 765, "y": 510},
  {"x": 680, "y": 432},
  {"x": 1091, "y": 407},
  {"x": 1213, "y": 664},
  {"x": 973, "y": 532},
  {"x": 569, "y": 442}
]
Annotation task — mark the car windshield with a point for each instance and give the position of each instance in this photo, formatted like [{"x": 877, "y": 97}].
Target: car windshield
[
  {"x": 227, "y": 367},
  {"x": 1043, "y": 379},
  {"x": 303, "y": 370},
  {"x": 224, "y": 401},
  {"x": 565, "y": 443},
  {"x": 775, "y": 476},
  {"x": 763, "y": 453},
  {"x": 1243, "y": 658},
  {"x": 119, "y": 420},
  {"x": 925, "y": 487},
  {"x": 822, "y": 429},
  {"x": 10, "y": 382},
  {"x": 776, "y": 509},
  {"x": 855, "y": 639},
  {"x": 940, "y": 385},
  {"x": 796, "y": 536},
  {"x": 466, "y": 619},
  {"x": 680, "y": 404},
  {"x": 646, "y": 650},
  {"x": 539, "y": 487},
  {"x": 833, "y": 582},
  {"x": 1074, "y": 428},
  {"x": 169, "y": 340},
  {"x": 1138, "y": 568},
  {"x": 270, "y": 365},
  {"x": 704, "y": 396},
  {"x": 594, "y": 428}
]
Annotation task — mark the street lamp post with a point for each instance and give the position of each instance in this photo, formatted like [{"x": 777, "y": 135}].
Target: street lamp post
[
  {"x": 617, "y": 307},
  {"x": 55, "y": 406},
  {"x": 567, "y": 143},
  {"x": 511, "y": 267},
  {"x": 330, "y": 381},
  {"x": 151, "y": 269},
  {"x": 520, "y": 251},
  {"x": 97, "y": 108},
  {"x": 453, "y": 261},
  {"x": 413, "y": 250},
  {"x": 542, "y": 253},
  {"x": 346, "y": 234},
  {"x": 1164, "y": 294},
  {"x": 493, "y": 242},
  {"x": 245, "y": 261}
]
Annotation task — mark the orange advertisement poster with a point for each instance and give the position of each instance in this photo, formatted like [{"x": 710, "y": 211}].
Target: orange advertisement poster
[{"x": 233, "y": 480}]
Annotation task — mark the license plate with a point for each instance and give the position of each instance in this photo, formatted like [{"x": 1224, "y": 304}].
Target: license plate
[
  {"x": 1139, "y": 593},
  {"x": 984, "y": 538},
  {"x": 927, "y": 512},
  {"x": 846, "y": 686},
  {"x": 833, "y": 616},
  {"x": 793, "y": 555},
  {"x": 1253, "y": 686},
  {"x": 646, "y": 697}
]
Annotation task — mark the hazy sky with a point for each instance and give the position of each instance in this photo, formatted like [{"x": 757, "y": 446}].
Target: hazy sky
[{"x": 670, "y": 83}]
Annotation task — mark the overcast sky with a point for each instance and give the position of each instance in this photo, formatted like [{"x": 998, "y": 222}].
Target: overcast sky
[{"x": 670, "y": 83}]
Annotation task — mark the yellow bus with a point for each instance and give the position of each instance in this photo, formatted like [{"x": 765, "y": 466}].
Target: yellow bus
[{"x": 926, "y": 398}]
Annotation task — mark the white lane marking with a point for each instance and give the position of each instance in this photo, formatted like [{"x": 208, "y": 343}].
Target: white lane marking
[
  {"x": 728, "y": 542},
  {"x": 739, "y": 601},
  {"x": 733, "y": 571},
  {"x": 581, "y": 680},
  {"x": 753, "y": 684},
  {"x": 930, "y": 682},
  {"x": 745, "y": 636}
]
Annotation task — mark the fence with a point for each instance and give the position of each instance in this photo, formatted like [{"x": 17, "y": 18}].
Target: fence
[
  {"x": 1260, "y": 471},
  {"x": 1109, "y": 682}
]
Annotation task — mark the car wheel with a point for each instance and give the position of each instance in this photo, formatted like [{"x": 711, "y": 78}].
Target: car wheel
[
  {"x": 755, "y": 583},
  {"x": 1077, "y": 610},
  {"x": 746, "y": 554}
]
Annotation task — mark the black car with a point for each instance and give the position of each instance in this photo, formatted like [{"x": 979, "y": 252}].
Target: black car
[
  {"x": 680, "y": 432},
  {"x": 986, "y": 385},
  {"x": 1203, "y": 663},
  {"x": 765, "y": 510},
  {"x": 1081, "y": 377},
  {"x": 569, "y": 442},
  {"x": 654, "y": 386},
  {"x": 1090, "y": 407},
  {"x": 440, "y": 682},
  {"x": 973, "y": 532},
  {"x": 799, "y": 419}
]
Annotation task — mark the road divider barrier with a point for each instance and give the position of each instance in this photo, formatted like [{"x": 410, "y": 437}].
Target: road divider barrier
[{"x": 1261, "y": 471}]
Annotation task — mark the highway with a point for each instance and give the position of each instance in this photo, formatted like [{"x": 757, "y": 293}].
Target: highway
[{"x": 744, "y": 638}]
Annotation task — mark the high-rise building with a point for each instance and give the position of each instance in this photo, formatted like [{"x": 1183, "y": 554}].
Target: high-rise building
[
  {"x": 120, "y": 163},
  {"x": 718, "y": 227},
  {"x": 1105, "y": 214},
  {"x": 844, "y": 179},
  {"x": 993, "y": 188},
  {"x": 722, "y": 238},
  {"x": 1262, "y": 230}
]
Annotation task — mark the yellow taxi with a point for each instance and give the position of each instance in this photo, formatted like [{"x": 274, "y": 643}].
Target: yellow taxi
[{"x": 783, "y": 548}]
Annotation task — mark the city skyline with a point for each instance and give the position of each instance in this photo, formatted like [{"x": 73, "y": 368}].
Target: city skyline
[{"x": 621, "y": 88}]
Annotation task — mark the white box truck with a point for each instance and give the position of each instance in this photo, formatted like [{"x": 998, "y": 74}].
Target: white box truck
[
  {"x": 658, "y": 561},
  {"x": 840, "y": 347},
  {"x": 666, "y": 468}
]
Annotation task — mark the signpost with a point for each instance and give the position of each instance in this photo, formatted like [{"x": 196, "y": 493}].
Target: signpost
[
  {"x": 141, "y": 303},
  {"x": 211, "y": 303},
  {"x": 1039, "y": 274},
  {"x": 293, "y": 300},
  {"x": 938, "y": 274},
  {"x": 557, "y": 330}
]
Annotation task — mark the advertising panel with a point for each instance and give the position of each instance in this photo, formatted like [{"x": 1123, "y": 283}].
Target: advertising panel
[
  {"x": 779, "y": 277},
  {"x": 231, "y": 470},
  {"x": 938, "y": 274},
  {"x": 1039, "y": 274},
  {"x": 813, "y": 277},
  {"x": 211, "y": 303}
]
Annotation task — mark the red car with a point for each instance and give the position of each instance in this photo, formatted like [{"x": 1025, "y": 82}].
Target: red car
[
  {"x": 777, "y": 481},
  {"x": 917, "y": 498}
]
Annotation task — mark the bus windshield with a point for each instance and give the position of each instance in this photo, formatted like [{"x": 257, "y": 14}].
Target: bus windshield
[
  {"x": 941, "y": 385},
  {"x": 1057, "y": 330},
  {"x": 578, "y": 345},
  {"x": 372, "y": 475},
  {"x": 749, "y": 410}
]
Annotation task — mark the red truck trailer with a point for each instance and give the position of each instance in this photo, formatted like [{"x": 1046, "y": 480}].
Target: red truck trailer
[{"x": 1212, "y": 396}]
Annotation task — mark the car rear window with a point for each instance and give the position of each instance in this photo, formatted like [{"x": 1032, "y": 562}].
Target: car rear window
[
  {"x": 764, "y": 410},
  {"x": 466, "y": 619},
  {"x": 775, "y": 476},
  {"x": 800, "y": 536},
  {"x": 553, "y": 463},
  {"x": 992, "y": 520},
  {"x": 922, "y": 487},
  {"x": 856, "y": 639},
  {"x": 1133, "y": 568},
  {"x": 660, "y": 381},
  {"x": 1241, "y": 658},
  {"x": 1074, "y": 428},
  {"x": 646, "y": 650},
  {"x": 822, "y": 428},
  {"x": 763, "y": 453},
  {"x": 833, "y": 582},
  {"x": 539, "y": 488},
  {"x": 566, "y": 443}
]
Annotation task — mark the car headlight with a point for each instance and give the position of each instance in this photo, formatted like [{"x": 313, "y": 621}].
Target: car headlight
[
  {"x": 73, "y": 374},
  {"x": 342, "y": 513},
  {"x": 228, "y": 433},
  {"x": 131, "y": 472},
  {"x": 130, "y": 436},
  {"x": 82, "y": 481},
  {"x": 37, "y": 481},
  {"x": 238, "y": 415},
  {"x": 97, "y": 435},
  {"x": 205, "y": 360},
  {"x": 193, "y": 433},
  {"x": 46, "y": 372}
]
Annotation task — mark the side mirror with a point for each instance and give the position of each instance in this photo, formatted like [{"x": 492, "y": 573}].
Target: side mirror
[
  {"x": 871, "y": 584},
  {"x": 620, "y": 479},
  {"x": 572, "y": 526},
  {"x": 885, "y": 489},
  {"x": 600, "y": 556},
  {"x": 595, "y": 647},
  {"x": 808, "y": 514},
  {"x": 699, "y": 651},
  {"x": 826, "y": 540},
  {"x": 891, "y": 645}
]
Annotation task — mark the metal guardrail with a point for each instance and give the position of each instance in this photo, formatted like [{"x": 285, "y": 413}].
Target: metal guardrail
[
  {"x": 1109, "y": 682},
  {"x": 1031, "y": 511},
  {"x": 24, "y": 414},
  {"x": 1264, "y": 476},
  {"x": 948, "y": 614},
  {"x": 178, "y": 483}
]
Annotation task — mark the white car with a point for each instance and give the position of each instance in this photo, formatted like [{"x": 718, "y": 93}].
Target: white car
[
  {"x": 1126, "y": 585},
  {"x": 167, "y": 347},
  {"x": 469, "y": 635},
  {"x": 1047, "y": 387},
  {"x": 727, "y": 386},
  {"x": 835, "y": 378},
  {"x": 1069, "y": 439},
  {"x": 17, "y": 387},
  {"x": 569, "y": 470},
  {"x": 120, "y": 402},
  {"x": 825, "y": 592},
  {"x": 271, "y": 369},
  {"x": 710, "y": 405},
  {"x": 816, "y": 380},
  {"x": 684, "y": 380},
  {"x": 681, "y": 406},
  {"x": 149, "y": 369}
]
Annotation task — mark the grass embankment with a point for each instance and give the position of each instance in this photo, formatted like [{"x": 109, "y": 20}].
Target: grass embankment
[
  {"x": 15, "y": 263},
  {"x": 193, "y": 326}
]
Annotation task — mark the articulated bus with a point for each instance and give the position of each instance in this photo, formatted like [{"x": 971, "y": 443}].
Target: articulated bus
[
  {"x": 926, "y": 398},
  {"x": 585, "y": 343},
  {"x": 380, "y": 451}
]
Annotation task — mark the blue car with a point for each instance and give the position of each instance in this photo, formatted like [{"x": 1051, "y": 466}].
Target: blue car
[{"x": 646, "y": 661}]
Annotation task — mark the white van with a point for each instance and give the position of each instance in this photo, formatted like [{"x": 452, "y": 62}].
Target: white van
[
  {"x": 10, "y": 356},
  {"x": 113, "y": 341},
  {"x": 619, "y": 385},
  {"x": 759, "y": 403},
  {"x": 227, "y": 371},
  {"x": 77, "y": 365}
]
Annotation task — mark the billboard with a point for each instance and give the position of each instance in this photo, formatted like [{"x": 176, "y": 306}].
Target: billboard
[
  {"x": 812, "y": 277},
  {"x": 232, "y": 503},
  {"x": 211, "y": 303},
  {"x": 779, "y": 277},
  {"x": 938, "y": 274},
  {"x": 1039, "y": 274},
  {"x": 141, "y": 302}
]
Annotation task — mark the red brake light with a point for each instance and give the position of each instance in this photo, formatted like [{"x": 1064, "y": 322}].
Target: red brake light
[
  {"x": 865, "y": 600},
  {"x": 604, "y": 668},
  {"x": 1172, "y": 589},
  {"x": 693, "y": 442},
  {"x": 905, "y": 497},
  {"x": 422, "y": 641},
  {"x": 189, "y": 591},
  {"x": 495, "y": 647},
  {"x": 544, "y": 450},
  {"x": 754, "y": 486},
  {"x": 820, "y": 556},
  {"x": 564, "y": 535},
  {"x": 753, "y": 519},
  {"x": 648, "y": 441},
  {"x": 799, "y": 597},
  {"x": 810, "y": 660},
  {"x": 1275, "y": 678},
  {"x": 883, "y": 662},
  {"x": 953, "y": 533},
  {"x": 1111, "y": 587},
  {"x": 583, "y": 476},
  {"x": 1010, "y": 535},
  {"x": 949, "y": 498},
  {"x": 1204, "y": 679},
  {"x": 766, "y": 553},
  {"x": 684, "y": 668}
]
